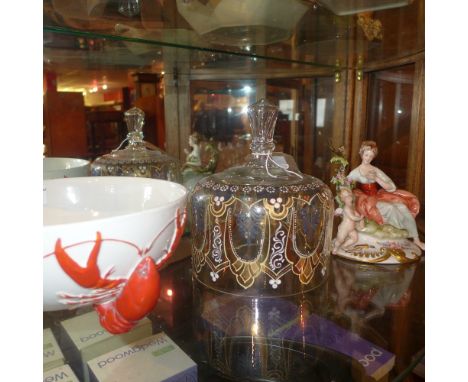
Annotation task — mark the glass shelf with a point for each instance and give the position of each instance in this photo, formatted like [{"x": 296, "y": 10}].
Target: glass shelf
[
  {"x": 63, "y": 45},
  {"x": 381, "y": 307},
  {"x": 319, "y": 37}
]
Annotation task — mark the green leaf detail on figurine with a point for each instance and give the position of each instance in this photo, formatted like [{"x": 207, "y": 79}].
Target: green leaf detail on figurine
[{"x": 383, "y": 231}]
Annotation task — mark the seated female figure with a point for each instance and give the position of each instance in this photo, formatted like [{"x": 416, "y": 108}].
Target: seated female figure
[{"x": 377, "y": 197}]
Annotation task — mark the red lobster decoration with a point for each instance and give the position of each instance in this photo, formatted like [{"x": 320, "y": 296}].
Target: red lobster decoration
[{"x": 126, "y": 301}]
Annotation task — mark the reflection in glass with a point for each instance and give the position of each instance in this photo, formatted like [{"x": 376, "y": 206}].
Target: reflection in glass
[
  {"x": 129, "y": 8},
  {"x": 316, "y": 336},
  {"x": 305, "y": 122},
  {"x": 364, "y": 291},
  {"x": 219, "y": 113},
  {"x": 269, "y": 339},
  {"x": 303, "y": 129},
  {"x": 242, "y": 22},
  {"x": 389, "y": 119}
]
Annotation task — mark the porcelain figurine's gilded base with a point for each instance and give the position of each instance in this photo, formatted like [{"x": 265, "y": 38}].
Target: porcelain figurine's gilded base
[{"x": 369, "y": 249}]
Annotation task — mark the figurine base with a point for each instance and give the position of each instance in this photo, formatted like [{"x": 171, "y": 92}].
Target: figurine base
[{"x": 369, "y": 249}]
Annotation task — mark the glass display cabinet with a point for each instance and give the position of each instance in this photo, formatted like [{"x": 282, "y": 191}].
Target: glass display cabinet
[{"x": 340, "y": 72}]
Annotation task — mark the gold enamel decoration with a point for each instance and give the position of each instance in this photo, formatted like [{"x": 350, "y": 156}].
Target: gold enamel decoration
[
  {"x": 379, "y": 256},
  {"x": 218, "y": 205},
  {"x": 305, "y": 261},
  {"x": 279, "y": 247},
  {"x": 277, "y": 208},
  {"x": 262, "y": 227},
  {"x": 246, "y": 271},
  {"x": 198, "y": 258}
]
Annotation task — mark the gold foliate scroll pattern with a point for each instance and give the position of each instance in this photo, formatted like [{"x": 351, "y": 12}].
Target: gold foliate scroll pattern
[
  {"x": 270, "y": 236},
  {"x": 310, "y": 236},
  {"x": 248, "y": 232},
  {"x": 208, "y": 244},
  {"x": 366, "y": 254}
]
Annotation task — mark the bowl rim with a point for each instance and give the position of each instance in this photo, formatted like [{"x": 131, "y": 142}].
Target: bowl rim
[
  {"x": 119, "y": 216},
  {"x": 79, "y": 160}
]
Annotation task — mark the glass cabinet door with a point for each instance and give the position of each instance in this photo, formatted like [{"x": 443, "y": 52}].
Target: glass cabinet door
[
  {"x": 389, "y": 119},
  {"x": 194, "y": 66},
  {"x": 304, "y": 126}
]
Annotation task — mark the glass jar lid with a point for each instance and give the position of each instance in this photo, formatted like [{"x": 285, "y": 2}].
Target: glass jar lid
[
  {"x": 262, "y": 228},
  {"x": 138, "y": 158},
  {"x": 263, "y": 166}
]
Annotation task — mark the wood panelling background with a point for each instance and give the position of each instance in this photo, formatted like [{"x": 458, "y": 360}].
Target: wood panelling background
[{"x": 65, "y": 121}]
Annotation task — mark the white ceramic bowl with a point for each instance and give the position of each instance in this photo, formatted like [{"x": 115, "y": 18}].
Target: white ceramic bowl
[
  {"x": 136, "y": 217},
  {"x": 54, "y": 167}
]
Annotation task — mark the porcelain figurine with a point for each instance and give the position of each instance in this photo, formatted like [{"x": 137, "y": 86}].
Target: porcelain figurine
[
  {"x": 386, "y": 214},
  {"x": 347, "y": 231},
  {"x": 193, "y": 158},
  {"x": 194, "y": 169}
]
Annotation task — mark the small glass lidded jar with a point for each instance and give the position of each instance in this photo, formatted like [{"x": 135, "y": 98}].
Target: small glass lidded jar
[
  {"x": 137, "y": 159},
  {"x": 262, "y": 228}
]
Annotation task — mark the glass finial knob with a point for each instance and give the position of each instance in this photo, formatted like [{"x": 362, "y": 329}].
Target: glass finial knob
[
  {"x": 262, "y": 117},
  {"x": 135, "y": 119}
]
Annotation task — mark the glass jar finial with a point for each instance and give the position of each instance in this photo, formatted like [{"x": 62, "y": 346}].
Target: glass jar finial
[
  {"x": 262, "y": 117},
  {"x": 135, "y": 119}
]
